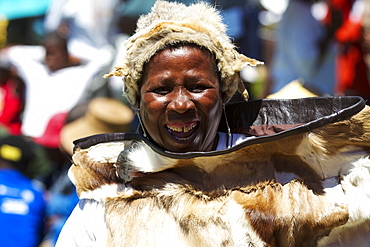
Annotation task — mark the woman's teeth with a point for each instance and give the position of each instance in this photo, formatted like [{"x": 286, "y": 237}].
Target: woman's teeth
[{"x": 183, "y": 128}]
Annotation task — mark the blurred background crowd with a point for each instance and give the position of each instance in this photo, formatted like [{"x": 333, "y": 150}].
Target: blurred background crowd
[{"x": 54, "y": 53}]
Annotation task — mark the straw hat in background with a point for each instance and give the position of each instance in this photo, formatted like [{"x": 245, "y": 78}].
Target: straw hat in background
[
  {"x": 103, "y": 115},
  {"x": 293, "y": 90}
]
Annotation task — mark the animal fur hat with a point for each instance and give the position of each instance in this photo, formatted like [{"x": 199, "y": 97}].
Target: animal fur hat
[{"x": 170, "y": 23}]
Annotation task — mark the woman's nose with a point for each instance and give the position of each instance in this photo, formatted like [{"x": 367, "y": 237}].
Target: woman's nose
[{"x": 180, "y": 102}]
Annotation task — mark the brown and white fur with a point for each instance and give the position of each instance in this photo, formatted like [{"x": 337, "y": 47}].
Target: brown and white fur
[{"x": 310, "y": 189}]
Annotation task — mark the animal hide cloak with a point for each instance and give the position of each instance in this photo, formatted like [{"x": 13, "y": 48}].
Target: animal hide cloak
[{"x": 300, "y": 178}]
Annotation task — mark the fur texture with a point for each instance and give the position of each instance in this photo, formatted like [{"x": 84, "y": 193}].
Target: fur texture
[{"x": 310, "y": 189}]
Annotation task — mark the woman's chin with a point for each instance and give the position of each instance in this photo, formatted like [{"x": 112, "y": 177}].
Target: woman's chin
[{"x": 181, "y": 145}]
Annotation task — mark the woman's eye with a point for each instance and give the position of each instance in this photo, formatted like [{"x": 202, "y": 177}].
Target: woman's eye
[
  {"x": 197, "y": 88},
  {"x": 161, "y": 90}
]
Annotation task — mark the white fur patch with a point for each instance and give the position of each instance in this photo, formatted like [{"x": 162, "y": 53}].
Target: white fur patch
[
  {"x": 356, "y": 186},
  {"x": 105, "y": 191},
  {"x": 106, "y": 152},
  {"x": 144, "y": 159},
  {"x": 239, "y": 226},
  {"x": 353, "y": 191},
  {"x": 312, "y": 151}
]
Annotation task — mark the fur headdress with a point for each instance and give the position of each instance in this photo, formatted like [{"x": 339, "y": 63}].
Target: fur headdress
[{"x": 170, "y": 23}]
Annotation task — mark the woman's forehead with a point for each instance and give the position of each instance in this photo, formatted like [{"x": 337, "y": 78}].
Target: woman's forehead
[
  {"x": 185, "y": 50},
  {"x": 188, "y": 46},
  {"x": 182, "y": 51}
]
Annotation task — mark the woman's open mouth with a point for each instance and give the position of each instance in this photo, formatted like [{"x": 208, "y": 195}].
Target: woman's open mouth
[{"x": 182, "y": 132}]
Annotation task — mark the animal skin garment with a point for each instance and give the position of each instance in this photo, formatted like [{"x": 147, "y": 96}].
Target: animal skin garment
[{"x": 300, "y": 178}]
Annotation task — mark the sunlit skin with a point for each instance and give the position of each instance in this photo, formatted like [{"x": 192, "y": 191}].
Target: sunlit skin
[{"x": 180, "y": 99}]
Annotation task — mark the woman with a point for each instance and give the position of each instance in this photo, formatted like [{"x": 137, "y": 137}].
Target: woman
[
  {"x": 178, "y": 83},
  {"x": 187, "y": 181},
  {"x": 203, "y": 74}
]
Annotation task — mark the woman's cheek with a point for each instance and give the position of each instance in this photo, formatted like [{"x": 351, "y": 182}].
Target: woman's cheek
[
  {"x": 211, "y": 101},
  {"x": 153, "y": 107}
]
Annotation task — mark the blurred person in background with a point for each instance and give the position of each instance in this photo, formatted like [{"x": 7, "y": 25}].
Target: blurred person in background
[
  {"x": 55, "y": 81},
  {"x": 100, "y": 115},
  {"x": 90, "y": 25},
  {"x": 366, "y": 32},
  {"x": 22, "y": 201},
  {"x": 305, "y": 50},
  {"x": 61, "y": 195},
  {"x": 50, "y": 142},
  {"x": 11, "y": 98},
  {"x": 351, "y": 69}
]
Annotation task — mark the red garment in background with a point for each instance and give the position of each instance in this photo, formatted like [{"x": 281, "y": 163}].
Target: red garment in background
[
  {"x": 11, "y": 106},
  {"x": 351, "y": 69}
]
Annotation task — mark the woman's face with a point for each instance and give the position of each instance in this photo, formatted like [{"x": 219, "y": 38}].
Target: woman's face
[{"x": 180, "y": 99}]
